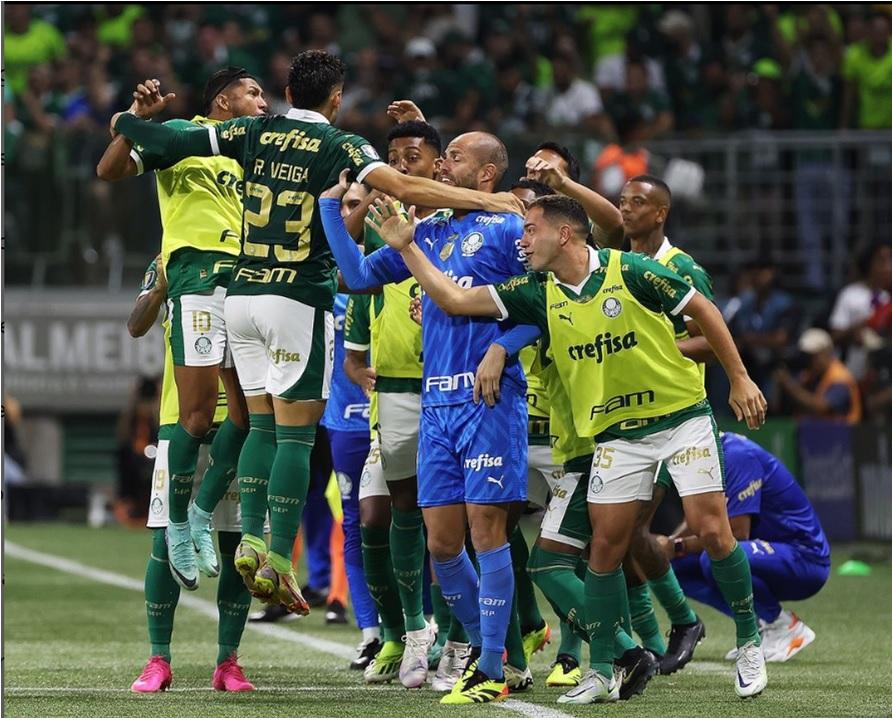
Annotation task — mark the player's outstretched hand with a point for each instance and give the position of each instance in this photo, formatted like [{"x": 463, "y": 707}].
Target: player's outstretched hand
[
  {"x": 148, "y": 100},
  {"x": 504, "y": 202},
  {"x": 337, "y": 191},
  {"x": 415, "y": 310},
  {"x": 404, "y": 111},
  {"x": 489, "y": 375},
  {"x": 390, "y": 224},
  {"x": 542, "y": 171},
  {"x": 748, "y": 403}
]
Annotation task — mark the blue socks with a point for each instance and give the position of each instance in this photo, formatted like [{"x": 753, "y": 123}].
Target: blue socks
[
  {"x": 496, "y": 596},
  {"x": 459, "y": 584}
]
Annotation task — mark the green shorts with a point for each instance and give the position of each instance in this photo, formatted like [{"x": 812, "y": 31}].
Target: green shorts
[{"x": 566, "y": 519}]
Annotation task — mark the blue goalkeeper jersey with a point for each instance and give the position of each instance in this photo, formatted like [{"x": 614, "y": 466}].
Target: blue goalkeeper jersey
[
  {"x": 348, "y": 407},
  {"x": 478, "y": 249},
  {"x": 758, "y": 484}
]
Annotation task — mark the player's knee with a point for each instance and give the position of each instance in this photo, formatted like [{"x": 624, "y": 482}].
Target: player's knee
[
  {"x": 198, "y": 422},
  {"x": 443, "y": 547},
  {"x": 606, "y": 555},
  {"x": 716, "y": 538}
]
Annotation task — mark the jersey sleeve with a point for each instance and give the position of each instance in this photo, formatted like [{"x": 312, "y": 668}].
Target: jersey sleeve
[
  {"x": 357, "y": 323},
  {"x": 522, "y": 299},
  {"x": 172, "y": 143},
  {"x": 358, "y": 154},
  {"x": 743, "y": 482},
  {"x": 655, "y": 286},
  {"x": 695, "y": 275},
  {"x": 147, "y": 160},
  {"x": 149, "y": 279},
  {"x": 512, "y": 232},
  {"x": 228, "y": 138}
]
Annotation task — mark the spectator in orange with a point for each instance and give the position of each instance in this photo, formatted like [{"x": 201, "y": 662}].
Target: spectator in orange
[{"x": 826, "y": 389}]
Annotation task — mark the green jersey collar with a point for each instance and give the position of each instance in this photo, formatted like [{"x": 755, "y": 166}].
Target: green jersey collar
[
  {"x": 594, "y": 262},
  {"x": 307, "y": 116}
]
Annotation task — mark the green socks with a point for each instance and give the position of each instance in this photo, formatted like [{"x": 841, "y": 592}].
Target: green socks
[
  {"x": 732, "y": 574},
  {"x": 224, "y": 455},
  {"x": 407, "y": 556},
  {"x": 289, "y": 480},
  {"x": 161, "y": 595},
  {"x": 555, "y": 575},
  {"x": 571, "y": 644},
  {"x": 441, "y": 613},
  {"x": 644, "y": 620},
  {"x": 381, "y": 582},
  {"x": 605, "y": 595},
  {"x": 527, "y": 608},
  {"x": 182, "y": 456},
  {"x": 254, "y": 465},
  {"x": 672, "y": 599},
  {"x": 516, "y": 658},
  {"x": 233, "y": 599}
]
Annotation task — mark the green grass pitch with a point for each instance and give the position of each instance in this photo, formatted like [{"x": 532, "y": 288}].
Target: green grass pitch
[{"x": 73, "y": 644}]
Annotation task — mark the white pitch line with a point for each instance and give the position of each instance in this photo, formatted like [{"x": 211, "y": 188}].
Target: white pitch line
[
  {"x": 196, "y": 689},
  {"x": 208, "y": 609}
]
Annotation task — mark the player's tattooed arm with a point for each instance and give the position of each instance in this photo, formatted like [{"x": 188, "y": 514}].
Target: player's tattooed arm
[
  {"x": 600, "y": 210},
  {"x": 358, "y": 371},
  {"x": 399, "y": 233}
]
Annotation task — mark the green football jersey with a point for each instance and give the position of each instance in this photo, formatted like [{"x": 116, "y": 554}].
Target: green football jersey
[{"x": 288, "y": 161}]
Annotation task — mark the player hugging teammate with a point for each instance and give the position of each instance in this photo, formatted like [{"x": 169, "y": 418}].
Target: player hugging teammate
[{"x": 459, "y": 437}]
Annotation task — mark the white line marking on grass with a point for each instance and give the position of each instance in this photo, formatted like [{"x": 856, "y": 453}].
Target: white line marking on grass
[
  {"x": 209, "y": 610},
  {"x": 710, "y": 667},
  {"x": 199, "y": 604},
  {"x": 38, "y": 690}
]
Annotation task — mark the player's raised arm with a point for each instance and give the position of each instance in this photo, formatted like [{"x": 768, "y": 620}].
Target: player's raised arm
[
  {"x": 428, "y": 193},
  {"x": 399, "y": 233}
]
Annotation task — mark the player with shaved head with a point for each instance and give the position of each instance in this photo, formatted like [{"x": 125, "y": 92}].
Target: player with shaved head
[{"x": 472, "y": 457}]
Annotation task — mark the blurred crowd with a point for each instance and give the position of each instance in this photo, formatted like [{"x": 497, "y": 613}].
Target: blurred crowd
[{"x": 624, "y": 74}]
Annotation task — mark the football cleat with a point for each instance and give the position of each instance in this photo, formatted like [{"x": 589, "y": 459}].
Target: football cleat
[
  {"x": 785, "y": 637},
  {"x": 452, "y": 665},
  {"x": 518, "y": 680},
  {"x": 752, "y": 677},
  {"x": 476, "y": 688},
  {"x": 316, "y": 597},
  {"x": 281, "y": 587},
  {"x": 386, "y": 665},
  {"x": 181, "y": 555},
  {"x": 638, "y": 666},
  {"x": 156, "y": 676},
  {"x": 335, "y": 613},
  {"x": 566, "y": 672},
  {"x": 203, "y": 540},
  {"x": 366, "y": 652},
  {"x": 250, "y": 554},
  {"x": 683, "y": 639},
  {"x": 593, "y": 688},
  {"x": 271, "y": 613},
  {"x": 413, "y": 667},
  {"x": 229, "y": 677},
  {"x": 535, "y": 641}
]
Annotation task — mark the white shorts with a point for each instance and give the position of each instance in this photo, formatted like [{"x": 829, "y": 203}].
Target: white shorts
[
  {"x": 198, "y": 328},
  {"x": 372, "y": 482},
  {"x": 281, "y": 346},
  {"x": 398, "y": 418},
  {"x": 541, "y": 474},
  {"x": 624, "y": 470},
  {"x": 227, "y": 514}
]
